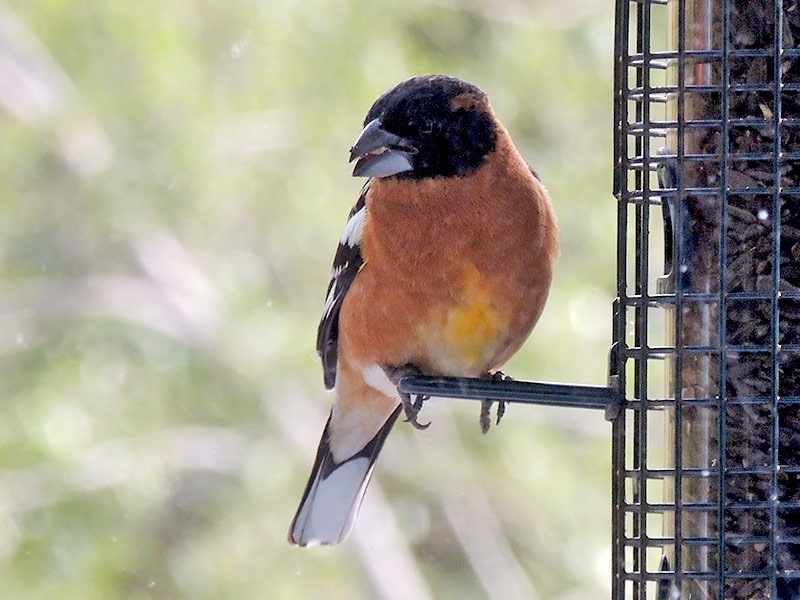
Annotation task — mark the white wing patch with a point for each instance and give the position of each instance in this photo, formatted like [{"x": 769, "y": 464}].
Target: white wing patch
[
  {"x": 330, "y": 301},
  {"x": 354, "y": 228}
]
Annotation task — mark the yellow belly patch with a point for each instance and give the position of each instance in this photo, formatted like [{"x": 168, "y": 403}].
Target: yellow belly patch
[{"x": 473, "y": 325}]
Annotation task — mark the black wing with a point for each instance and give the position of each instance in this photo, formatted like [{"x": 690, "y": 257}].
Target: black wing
[{"x": 346, "y": 264}]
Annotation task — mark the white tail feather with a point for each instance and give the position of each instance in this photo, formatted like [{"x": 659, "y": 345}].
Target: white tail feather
[
  {"x": 334, "y": 491},
  {"x": 328, "y": 512}
]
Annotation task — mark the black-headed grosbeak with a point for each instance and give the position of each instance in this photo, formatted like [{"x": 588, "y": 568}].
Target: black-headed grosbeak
[{"x": 443, "y": 268}]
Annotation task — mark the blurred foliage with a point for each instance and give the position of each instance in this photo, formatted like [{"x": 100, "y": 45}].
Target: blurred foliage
[{"x": 173, "y": 181}]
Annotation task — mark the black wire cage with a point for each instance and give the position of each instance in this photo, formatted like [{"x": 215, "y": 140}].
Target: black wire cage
[{"x": 706, "y": 450}]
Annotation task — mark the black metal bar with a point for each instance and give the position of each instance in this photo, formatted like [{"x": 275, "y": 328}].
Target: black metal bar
[
  {"x": 722, "y": 315},
  {"x": 621, "y": 62},
  {"x": 778, "y": 529},
  {"x": 523, "y": 392},
  {"x": 681, "y": 255}
]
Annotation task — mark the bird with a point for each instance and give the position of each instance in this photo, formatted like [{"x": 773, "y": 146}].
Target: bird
[{"x": 443, "y": 268}]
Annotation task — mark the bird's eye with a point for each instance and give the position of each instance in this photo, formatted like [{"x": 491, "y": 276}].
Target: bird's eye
[{"x": 426, "y": 126}]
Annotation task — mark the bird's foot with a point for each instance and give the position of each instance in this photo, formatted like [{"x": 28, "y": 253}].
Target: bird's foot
[
  {"x": 411, "y": 407},
  {"x": 486, "y": 405}
]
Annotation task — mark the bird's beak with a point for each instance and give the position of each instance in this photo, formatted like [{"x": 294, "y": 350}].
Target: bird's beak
[{"x": 380, "y": 153}]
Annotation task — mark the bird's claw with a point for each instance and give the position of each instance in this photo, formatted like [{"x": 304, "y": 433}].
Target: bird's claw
[
  {"x": 410, "y": 408},
  {"x": 486, "y": 405}
]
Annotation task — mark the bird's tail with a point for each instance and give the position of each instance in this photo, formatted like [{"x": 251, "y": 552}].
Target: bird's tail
[{"x": 334, "y": 491}]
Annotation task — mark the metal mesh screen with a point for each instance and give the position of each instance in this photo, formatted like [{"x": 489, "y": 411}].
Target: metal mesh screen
[{"x": 707, "y": 451}]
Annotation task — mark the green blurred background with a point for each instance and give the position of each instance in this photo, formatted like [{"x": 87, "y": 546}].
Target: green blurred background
[{"x": 173, "y": 183}]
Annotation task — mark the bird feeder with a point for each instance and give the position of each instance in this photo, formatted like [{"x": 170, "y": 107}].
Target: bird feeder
[{"x": 706, "y": 483}]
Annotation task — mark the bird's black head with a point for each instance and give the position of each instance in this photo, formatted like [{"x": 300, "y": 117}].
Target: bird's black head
[{"x": 426, "y": 126}]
